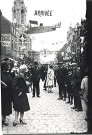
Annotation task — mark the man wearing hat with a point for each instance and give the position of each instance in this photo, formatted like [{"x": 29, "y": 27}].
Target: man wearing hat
[
  {"x": 35, "y": 80},
  {"x": 61, "y": 80},
  {"x": 76, "y": 83}
]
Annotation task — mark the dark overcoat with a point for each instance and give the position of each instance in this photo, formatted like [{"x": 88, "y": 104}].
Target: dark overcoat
[
  {"x": 6, "y": 93},
  {"x": 61, "y": 75},
  {"x": 76, "y": 82},
  {"x": 69, "y": 86},
  {"x": 20, "y": 103},
  {"x": 35, "y": 75},
  {"x": 42, "y": 73}
]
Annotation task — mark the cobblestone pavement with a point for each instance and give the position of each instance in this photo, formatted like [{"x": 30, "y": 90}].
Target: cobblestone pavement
[{"x": 48, "y": 115}]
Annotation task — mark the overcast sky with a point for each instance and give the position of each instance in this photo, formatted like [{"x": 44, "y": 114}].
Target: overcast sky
[{"x": 66, "y": 11}]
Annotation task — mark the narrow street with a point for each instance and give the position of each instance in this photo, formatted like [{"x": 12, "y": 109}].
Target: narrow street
[{"x": 48, "y": 115}]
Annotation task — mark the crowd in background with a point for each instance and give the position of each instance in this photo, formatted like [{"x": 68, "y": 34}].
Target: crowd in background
[{"x": 17, "y": 79}]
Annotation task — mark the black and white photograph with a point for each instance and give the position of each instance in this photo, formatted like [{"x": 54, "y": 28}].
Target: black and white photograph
[{"x": 44, "y": 68}]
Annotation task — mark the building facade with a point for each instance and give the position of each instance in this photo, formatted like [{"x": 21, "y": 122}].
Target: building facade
[
  {"x": 8, "y": 38},
  {"x": 74, "y": 43},
  {"x": 72, "y": 51}
]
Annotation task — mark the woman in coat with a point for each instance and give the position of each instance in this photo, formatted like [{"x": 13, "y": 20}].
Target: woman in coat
[
  {"x": 20, "y": 100},
  {"x": 50, "y": 79},
  {"x": 6, "y": 92}
]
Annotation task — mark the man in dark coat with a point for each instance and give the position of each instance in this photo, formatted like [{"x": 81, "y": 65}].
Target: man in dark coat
[
  {"x": 69, "y": 90},
  {"x": 45, "y": 73},
  {"x": 76, "y": 83},
  {"x": 61, "y": 80},
  {"x": 69, "y": 87},
  {"x": 6, "y": 92},
  {"x": 42, "y": 74},
  {"x": 36, "y": 79},
  {"x": 55, "y": 74}
]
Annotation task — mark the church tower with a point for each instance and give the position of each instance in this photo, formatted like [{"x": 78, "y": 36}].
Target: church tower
[{"x": 19, "y": 12}]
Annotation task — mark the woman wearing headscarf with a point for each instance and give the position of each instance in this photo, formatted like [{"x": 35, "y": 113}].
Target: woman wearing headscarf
[
  {"x": 6, "y": 92},
  {"x": 20, "y": 99}
]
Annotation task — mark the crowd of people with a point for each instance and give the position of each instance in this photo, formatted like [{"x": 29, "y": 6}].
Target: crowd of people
[{"x": 17, "y": 78}]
